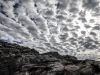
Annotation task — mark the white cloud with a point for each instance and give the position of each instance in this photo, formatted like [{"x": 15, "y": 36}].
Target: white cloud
[{"x": 64, "y": 26}]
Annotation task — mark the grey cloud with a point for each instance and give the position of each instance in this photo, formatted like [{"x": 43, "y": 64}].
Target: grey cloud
[
  {"x": 72, "y": 39},
  {"x": 53, "y": 40},
  {"x": 73, "y": 3},
  {"x": 87, "y": 26},
  {"x": 38, "y": 1},
  {"x": 40, "y": 22},
  {"x": 49, "y": 13},
  {"x": 24, "y": 20},
  {"x": 4, "y": 28},
  {"x": 64, "y": 29},
  {"x": 69, "y": 20},
  {"x": 96, "y": 11},
  {"x": 9, "y": 23},
  {"x": 70, "y": 26},
  {"x": 33, "y": 31},
  {"x": 88, "y": 39},
  {"x": 1, "y": 10},
  {"x": 73, "y": 10},
  {"x": 83, "y": 32},
  {"x": 90, "y": 4},
  {"x": 47, "y": 44},
  {"x": 17, "y": 36},
  {"x": 77, "y": 27},
  {"x": 92, "y": 21},
  {"x": 73, "y": 43},
  {"x": 96, "y": 42},
  {"x": 53, "y": 30},
  {"x": 24, "y": 34},
  {"x": 3, "y": 19},
  {"x": 60, "y": 17},
  {"x": 82, "y": 19},
  {"x": 43, "y": 38},
  {"x": 82, "y": 13},
  {"x": 62, "y": 4},
  {"x": 7, "y": 8},
  {"x": 96, "y": 28},
  {"x": 63, "y": 37},
  {"x": 74, "y": 34},
  {"x": 41, "y": 48},
  {"x": 16, "y": 5},
  {"x": 54, "y": 49},
  {"x": 93, "y": 33},
  {"x": 14, "y": 26},
  {"x": 89, "y": 45}
]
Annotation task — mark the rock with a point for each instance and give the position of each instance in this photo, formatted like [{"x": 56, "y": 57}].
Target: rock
[
  {"x": 56, "y": 66},
  {"x": 43, "y": 59},
  {"x": 71, "y": 68},
  {"x": 87, "y": 71},
  {"x": 20, "y": 60},
  {"x": 65, "y": 62},
  {"x": 22, "y": 73}
]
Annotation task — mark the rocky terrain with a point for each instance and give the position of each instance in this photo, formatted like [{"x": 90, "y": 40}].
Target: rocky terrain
[{"x": 19, "y": 60}]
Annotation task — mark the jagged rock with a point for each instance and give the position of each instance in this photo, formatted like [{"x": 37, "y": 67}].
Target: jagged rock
[
  {"x": 43, "y": 59},
  {"x": 22, "y": 73},
  {"x": 71, "y": 68},
  {"x": 87, "y": 71},
  {"x": 20, "y": 60},
  {"x": 56, "y": 66}
]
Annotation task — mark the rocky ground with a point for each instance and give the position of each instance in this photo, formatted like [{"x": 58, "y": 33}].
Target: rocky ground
[{"x": 19, "y": 60}]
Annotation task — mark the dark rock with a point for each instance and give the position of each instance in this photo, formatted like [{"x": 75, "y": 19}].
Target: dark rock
[
  {"x": 87, "y": 71},
  {"x": 71, "y": 68},
  {"x": 56, "y": 66},
  {"x": 20, "y": 60}
]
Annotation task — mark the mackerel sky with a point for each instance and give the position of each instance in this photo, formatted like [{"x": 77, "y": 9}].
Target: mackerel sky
[{"x": 66, "y": 26}]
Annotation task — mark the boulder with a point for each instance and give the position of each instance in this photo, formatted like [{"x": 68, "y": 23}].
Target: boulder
[
  {"x": 56, "y": 66},
  {"x": 71, "y": 68}
]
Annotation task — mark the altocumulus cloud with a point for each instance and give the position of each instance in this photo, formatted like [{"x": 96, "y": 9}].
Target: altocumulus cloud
[{"x": 66, "y": 26}]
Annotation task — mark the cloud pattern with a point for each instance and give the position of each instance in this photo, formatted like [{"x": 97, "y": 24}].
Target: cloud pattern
[{"x": 66, "y": 26}]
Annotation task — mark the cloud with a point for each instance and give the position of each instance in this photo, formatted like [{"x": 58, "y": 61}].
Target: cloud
[
  {"x": 63, "y": 37},
  {"x": 33, "y": 31},
  {"x": 60, "y": 17},
  {"x": 62, "y": 4},
  {"x": 83, "y": 32},
  {"x": 52, "y": 25},
  {"x": 93, "y": 33},
  {"x": 82, "y": 19},
  {"x": 96, "y": 12},
  {"x": 82, "y": 13},
  {"x": 73, "y": 10},
  {"x": 87, "y": 26},
  {"x": 90, "y": 4},
  {"x": 49, "y": 13}
]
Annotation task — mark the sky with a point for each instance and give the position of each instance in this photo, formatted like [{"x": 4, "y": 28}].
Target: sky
[{"x": 69, "y": 27}]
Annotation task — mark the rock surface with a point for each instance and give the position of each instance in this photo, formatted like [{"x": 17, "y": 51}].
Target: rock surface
[{"x": 19, "y": 60}]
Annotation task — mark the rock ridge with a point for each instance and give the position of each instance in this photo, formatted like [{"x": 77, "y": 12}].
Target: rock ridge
[{"x": 20, "y": 60}]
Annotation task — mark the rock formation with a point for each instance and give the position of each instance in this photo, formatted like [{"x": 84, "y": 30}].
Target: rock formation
[{"x": 19, "y": 60}]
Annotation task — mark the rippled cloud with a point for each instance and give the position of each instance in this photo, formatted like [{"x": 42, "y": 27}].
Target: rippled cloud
[{"x": 66, "y": 26}]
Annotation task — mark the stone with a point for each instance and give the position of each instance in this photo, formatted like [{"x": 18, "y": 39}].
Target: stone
[
  {"x": 71, "y": 68},
  {"x": 56, "y": 66},
  {"x": 20, "y": 60}
]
